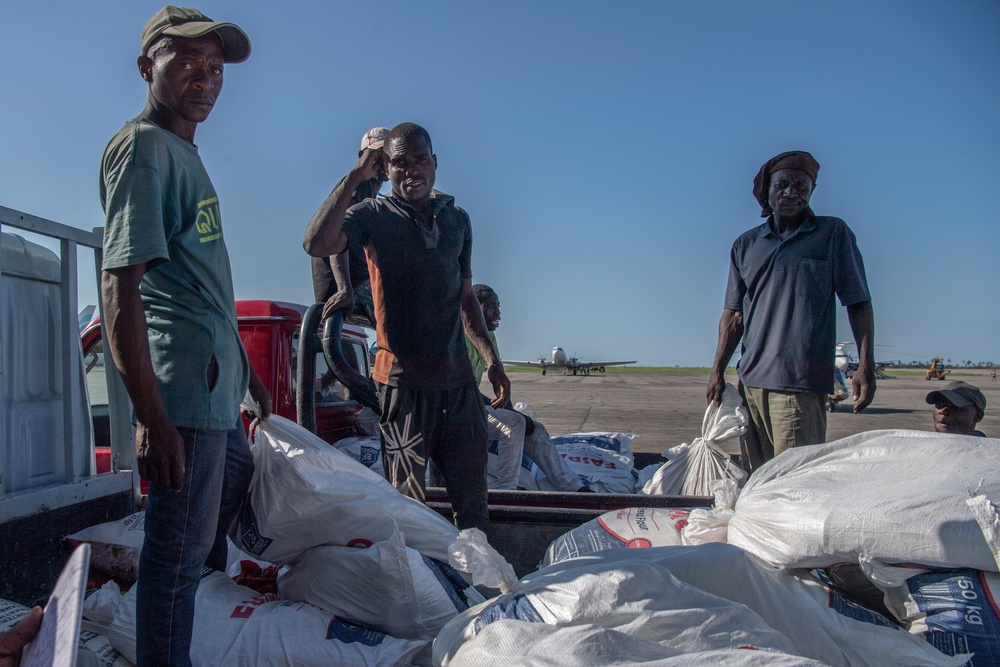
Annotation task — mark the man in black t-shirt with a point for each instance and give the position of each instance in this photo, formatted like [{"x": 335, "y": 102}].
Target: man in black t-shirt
[{"x": 419, "y": 250}]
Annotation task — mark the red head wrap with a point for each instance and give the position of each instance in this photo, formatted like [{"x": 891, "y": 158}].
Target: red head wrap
[{"x": 799, "y": 160}]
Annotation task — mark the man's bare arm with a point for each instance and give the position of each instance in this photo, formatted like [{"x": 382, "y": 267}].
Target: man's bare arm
[
  {"x": 325, "y": 231},
  {"x": 475, "y": 328},
  {"x": 730, "y": 333},
  {"x": 862, "y": 319},
  {"x": 259, "y": 393},
  {"x": 159, "y": 447}
]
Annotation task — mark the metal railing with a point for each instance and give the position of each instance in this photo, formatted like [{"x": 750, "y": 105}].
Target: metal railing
[{"x": 78, "y": 481}]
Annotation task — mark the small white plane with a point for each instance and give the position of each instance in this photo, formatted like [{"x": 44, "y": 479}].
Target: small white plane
[
  {"x": 568, "y": 364},
  {"x": 846, "y": 362}
]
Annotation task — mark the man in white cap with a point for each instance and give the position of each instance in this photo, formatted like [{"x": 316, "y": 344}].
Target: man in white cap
[
  {"x": 336, "y": 278},
  {"x": 170, "y": 318},
  {"x": 958, "y": 407}
]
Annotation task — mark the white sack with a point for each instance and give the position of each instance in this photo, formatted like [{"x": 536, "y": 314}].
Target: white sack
[
  {"x": 234, "y": 625},
  {"x": 629, "y": 528},
  {"x": 873, "y": 498},
  {"x": 366, "y": 450},
  {"x": 640, "y": 609},
  {"x": 691, "y": 470},
  {"x": 614, "y": 441},
  {"x": 93, "y": 649},
  {"x": 692, "y": 599},
  {"x": 387, "y": 587},
  {"x": 100, "y": 605},
  {"x": 504, "y": 448},
  {"x": 115, "y": 546},
  {"x": 712, "y": 525},
  {"x": 511, "y": 642},
  {"x": 955, "y": 610},
  {"x": 987, "y": 514},
  {"x": 602, "y": 461},
  {"x": 304, "y": 493}
]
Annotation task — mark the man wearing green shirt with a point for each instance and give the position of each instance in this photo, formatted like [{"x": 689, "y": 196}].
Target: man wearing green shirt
[
  {"x": 170, "y": 317},
  {"x": 515, "y": 434}
]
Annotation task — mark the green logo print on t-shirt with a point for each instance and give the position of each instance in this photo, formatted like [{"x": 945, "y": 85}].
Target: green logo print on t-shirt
[{"x": 208, "y": 220}]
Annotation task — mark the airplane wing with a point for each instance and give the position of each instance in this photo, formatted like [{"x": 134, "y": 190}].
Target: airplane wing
[
  {"x": 595, "y": 364},
  {"x": 507, "y": 362}
]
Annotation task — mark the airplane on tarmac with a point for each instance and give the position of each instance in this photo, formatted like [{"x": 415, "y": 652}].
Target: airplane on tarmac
[
  {"x": 568, "y": 364},
  {"x": 846, "y": 362}
]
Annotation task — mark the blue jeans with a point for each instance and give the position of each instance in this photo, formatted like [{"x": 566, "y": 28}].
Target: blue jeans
[{"x": 186, "y": 531}]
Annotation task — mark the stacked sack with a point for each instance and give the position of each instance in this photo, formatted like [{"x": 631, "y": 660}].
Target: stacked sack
[
  {"x": 914, "y": 512},
  {"x": 363, "y": 577},
  {"x": 713, "y": 604}
]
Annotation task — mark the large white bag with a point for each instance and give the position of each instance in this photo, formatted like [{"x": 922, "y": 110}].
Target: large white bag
[
  {"x": 93, "y": 648},
  {"x": 629, "y": 528},
  {"x": 638, "y": 609},
  {"x": 115, "y": 546},
  {"x": 693, "y": 599},
  {"x": 874, "y": 498},
  {"x": 366, "y": 450},
  {"x": 691, "y": 469},
  {"x": 387, "y": 587},
  {"x": 505, "y": 643},
  {"x": 304, "y": 493},
  {"x": 234, "y": 625},
  {"x": 602, "y": 461},
  {"x": 955, "y": 610}
]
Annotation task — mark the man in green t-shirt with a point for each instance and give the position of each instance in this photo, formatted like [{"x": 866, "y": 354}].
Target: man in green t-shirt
[
  {"x": 169, "y": 313},
  {"x": 511, "y": 434}
]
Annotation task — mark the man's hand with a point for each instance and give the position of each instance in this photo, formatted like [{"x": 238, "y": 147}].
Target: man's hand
[
  {"x": 501, "y": 386},
  {"x": 862, "y": 319},
  {"x": 370, "y": 164},
  {"x": 716, "y": 385},
  {"x": 14, "y": 640},
  {"x": 159, "y": 452},
  {"x": 341, "y": 300},
  {"x": 864, "y": 387}
]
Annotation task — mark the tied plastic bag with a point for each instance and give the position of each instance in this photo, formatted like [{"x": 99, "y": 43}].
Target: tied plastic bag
[
  {"x": 472, "y": 553},
  {"x": 704, "y": 526},
  {"x": 692, "y": 469}
]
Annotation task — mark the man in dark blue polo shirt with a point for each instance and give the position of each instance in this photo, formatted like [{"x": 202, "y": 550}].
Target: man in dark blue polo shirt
[
  {"x": 782, "y": 279},
  {"x": 419, "y": 250}
]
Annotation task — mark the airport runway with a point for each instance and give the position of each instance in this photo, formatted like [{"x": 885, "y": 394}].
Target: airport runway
[{"x": 665, "y": 410}]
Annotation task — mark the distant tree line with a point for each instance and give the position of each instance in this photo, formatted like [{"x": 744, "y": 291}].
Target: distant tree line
[{"x": 968, "y": 363}]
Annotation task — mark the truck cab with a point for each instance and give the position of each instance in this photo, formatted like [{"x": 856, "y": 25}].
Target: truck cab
[{"x": 271, "y": 333}]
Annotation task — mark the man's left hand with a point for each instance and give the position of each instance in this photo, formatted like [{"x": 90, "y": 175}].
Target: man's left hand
[
  {"x": 259, "y": 393},
  {"x": 864, "y": 387},
  {"x": 501, "y": 386}
]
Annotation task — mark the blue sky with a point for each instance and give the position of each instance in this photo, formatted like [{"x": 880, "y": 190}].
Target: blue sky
[{"x": 605, "y": 151}]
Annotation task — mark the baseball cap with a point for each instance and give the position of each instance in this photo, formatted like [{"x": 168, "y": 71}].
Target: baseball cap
[
  {"x": 960, "y": 394},
  {"x": 374, "y": 138},
  {"x": 187, "y": 22}
]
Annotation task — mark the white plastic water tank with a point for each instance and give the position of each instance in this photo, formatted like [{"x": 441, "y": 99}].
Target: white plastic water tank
[{"x": 35, "y": 440}]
